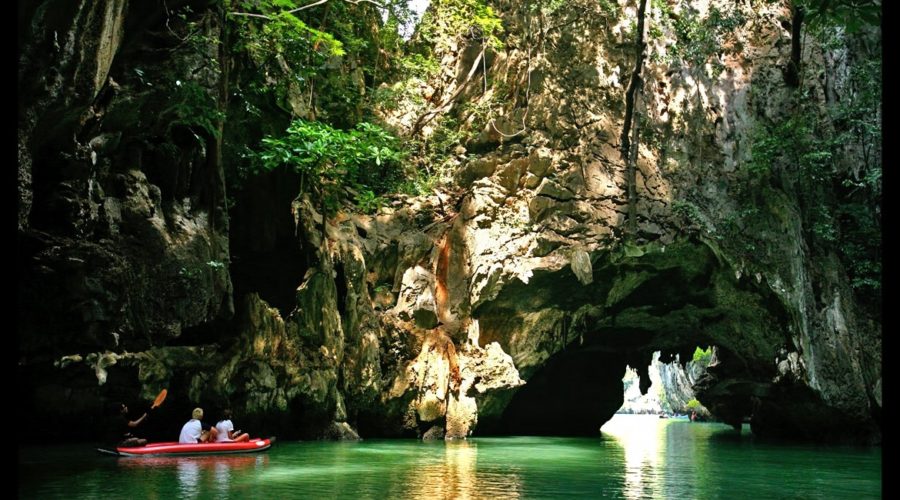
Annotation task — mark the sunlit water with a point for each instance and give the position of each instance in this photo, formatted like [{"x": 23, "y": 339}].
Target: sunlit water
[{"x": 636, "y": 457}]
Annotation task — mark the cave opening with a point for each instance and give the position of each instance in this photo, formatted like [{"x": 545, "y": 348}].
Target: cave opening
[
  {"x": 571, "y": 395},
  {"x": 579, "y": 389},
  {"x": 573, "y": 341}
]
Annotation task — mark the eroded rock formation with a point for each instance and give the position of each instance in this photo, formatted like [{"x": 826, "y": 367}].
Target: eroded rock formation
[
  {"x": 510, "y": 302},
  {"x": 671, "y": 388}
]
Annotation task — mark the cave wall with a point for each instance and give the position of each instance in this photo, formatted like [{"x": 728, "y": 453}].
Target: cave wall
[
  {"x": 533, "y": 266},
  {"x": 555, "y": 252},
  {"x": 122, "y": 227}
]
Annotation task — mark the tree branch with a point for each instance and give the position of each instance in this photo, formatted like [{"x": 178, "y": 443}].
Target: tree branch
[
  {"x": 425, "y": 118},
  {"x": 631, "y": 127},
  {"x": 250, "y": 15},
  {"x": 307, "y": 6},
  {"x": 635, "y": 79}
]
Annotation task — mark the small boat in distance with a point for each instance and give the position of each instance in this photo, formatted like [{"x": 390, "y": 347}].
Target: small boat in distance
[{"x": 179, "y": 449}]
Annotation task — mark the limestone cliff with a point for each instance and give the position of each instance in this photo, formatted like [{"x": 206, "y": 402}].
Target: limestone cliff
[
  {"x": 598, "y": 209},
  {"x": 576, "y": 250},
  {"x": 123, "y": 231},
  {"x": 671, "y": 388}
]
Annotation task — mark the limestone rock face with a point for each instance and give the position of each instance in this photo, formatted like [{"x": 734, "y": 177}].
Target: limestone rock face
[
  {"x": 670, "y": 391},
  {"x": 559, "y": 261},
  {"x": 121, "y": 215},
  {"x": 122, "y": 224},
  {"x": 508, "y": 301},
  {"x": 795, "y": 353}
]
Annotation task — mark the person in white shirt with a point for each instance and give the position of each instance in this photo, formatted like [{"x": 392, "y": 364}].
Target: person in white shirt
[
  {"x": 193, "y": 431},
  {"x": 226, "y": 432}
]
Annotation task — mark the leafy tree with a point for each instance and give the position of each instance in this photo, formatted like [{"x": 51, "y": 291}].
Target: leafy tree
[
  {"x": 853, "y": 15},
  {"x": 452, "y": 19},
  {"x": 315, "y": 59},
  {"x": 703, "y": 356},
  {"x": 818, "y": 15},
  {"x": 365, "y": 159}
]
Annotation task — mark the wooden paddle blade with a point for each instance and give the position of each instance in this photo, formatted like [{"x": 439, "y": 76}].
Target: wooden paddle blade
[{"x": 160, "y": 398}]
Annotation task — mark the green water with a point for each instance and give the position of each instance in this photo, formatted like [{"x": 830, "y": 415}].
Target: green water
[{"x": 636, "y": 457}]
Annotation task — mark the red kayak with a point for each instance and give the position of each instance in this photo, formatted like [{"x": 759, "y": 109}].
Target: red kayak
[{"x": 174, "y": 448}]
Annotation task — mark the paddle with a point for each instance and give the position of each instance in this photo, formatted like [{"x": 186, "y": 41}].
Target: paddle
[
  {"x": 156, "y": 402},
  {"x": 159, "y": 399}
]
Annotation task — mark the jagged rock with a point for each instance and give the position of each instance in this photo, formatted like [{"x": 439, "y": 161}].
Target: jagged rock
[
  {"x": 508, "y": 175},
  {"x": 581, "y": 266},
  {"x": 340, "y": 431},
  {"x": 553, "y": 191},
  {"x": 152, "y": 246},
  {"x": 416, "y": 300},
  {"x": 434, "y": 433},
  {"x": 474, "y": 170},
  {"x": 670, "y": 390},
  {"x": 435, "y": 372},
  {"x": 539, "y": 162}
]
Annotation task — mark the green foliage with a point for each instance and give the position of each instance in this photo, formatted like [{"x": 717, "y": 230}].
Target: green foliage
[
  {"x": 435, "y": 153},
  {"x": 331, "y": 65},
  {"x": 693, "y": 404},
  {"x": 823, "y": 226},
  {"x": 216, "y": 264},
  {"x": 189, "y": 273},
  {"x": 366, "y": 159},
  {"x": 411, "y": 72},
  {"x": 420, "y": 183},
  {"x": 703, "y": 356},
  {"x": 193, "y": 106},
  {"x": 487, "y": 23},
  {"x": 184, "y": 96},
  {"x": 832, "y": 156},
  {"x": 418, "y": 66},
  {"x": 688, "y": 211},
  {"x": 368, "y": 202},
  {"x": 282, "y": 33},
  {"x": 697, "y": 38},
  {"x": 193, "y": 272},
  {"x": 448, "y": 20},
  {"x": 700, "y": 38},
  {"x": 788, "y": 139},
  {"x": 852, "y": 15},
  {"x": 288, "y": 47},
  {"x": 315, "y": 63},
  {"x": 547, "y": 8}
]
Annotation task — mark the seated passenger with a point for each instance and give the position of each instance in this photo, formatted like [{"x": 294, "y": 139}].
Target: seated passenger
[
  {"x": 195, "y": 431},
  {"x": 226, "y": 430}
]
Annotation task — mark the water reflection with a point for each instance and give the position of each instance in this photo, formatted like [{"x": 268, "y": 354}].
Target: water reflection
[
  {"x": 198, "y": 474},
  {"x": 188, "y": 478},
  {"x": 222, "y": 476},
  {"x": 454, "y": 473},
  {"x": 638, "y": 437},
  {"x": 448, "y": 474}
]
